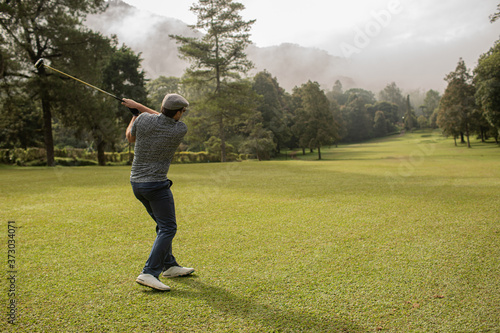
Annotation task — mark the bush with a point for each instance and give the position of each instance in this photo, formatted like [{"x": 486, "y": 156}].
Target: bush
[
  {"x": 35, "y": 163},
  {"x": 74, "y": 162},
  {"x": 195, "y": 157},
  {"x": 77, "y": 156},
  {"x": 4, "y": 156}
]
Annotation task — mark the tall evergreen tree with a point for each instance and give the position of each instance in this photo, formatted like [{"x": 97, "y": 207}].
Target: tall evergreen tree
[
  {"x": 410, "y": 119},
  {"x": 218, "y": 58}
]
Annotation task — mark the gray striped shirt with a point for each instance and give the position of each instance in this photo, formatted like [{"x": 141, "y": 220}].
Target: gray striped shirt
[{"x": 157, "y": 137}]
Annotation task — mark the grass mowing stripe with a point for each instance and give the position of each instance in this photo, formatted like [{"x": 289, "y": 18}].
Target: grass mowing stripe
[{"x": 399, "y": 234}]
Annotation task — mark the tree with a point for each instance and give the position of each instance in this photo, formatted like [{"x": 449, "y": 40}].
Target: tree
[
  {"x": 358, "y": 122},
  {"x": 43, "y": 29},
  {"x": 457, "y": 104},
  {"x": 91, "y": 113},
  {"x": 314, "y": 125},
  {"x": 158, "y": 88},
  {"x": 410, "y": 119},
  {"x": 273, "y": 108},
  {"x": 496, "y": 15},
  {"x": 218, "y": 57},
  {"x": 337, "y": 94},
  {"x": 20, "y": 121},
  {"x": 390, "y": 111},
  {"x": 422, "y": 122},
  {"x": 379, "y": 124},
  {"x": 365, "y": 96},
  {"x": 431, "y": 102},
  {"x": 392, "y": 94},
  {"x": 487, "y": 81},
  {"x": 259, "y": 140}
]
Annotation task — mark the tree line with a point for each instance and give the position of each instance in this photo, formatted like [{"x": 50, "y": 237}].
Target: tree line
[{"x": 230, "y": 112}]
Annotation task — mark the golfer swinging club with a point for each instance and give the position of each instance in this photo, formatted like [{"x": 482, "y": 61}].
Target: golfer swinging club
[{"x": 157, "y": 136}]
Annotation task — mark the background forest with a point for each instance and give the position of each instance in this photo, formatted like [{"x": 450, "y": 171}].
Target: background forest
[{"x": 46, "y": 118}]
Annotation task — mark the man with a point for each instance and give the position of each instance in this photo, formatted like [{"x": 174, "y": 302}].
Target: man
[{"x": 157, "y": 136}]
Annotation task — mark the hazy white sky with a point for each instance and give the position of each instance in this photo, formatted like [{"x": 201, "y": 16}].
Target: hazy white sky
[
  {"x": 403, "y": 35},
  {"x": 330, "y": 24}
]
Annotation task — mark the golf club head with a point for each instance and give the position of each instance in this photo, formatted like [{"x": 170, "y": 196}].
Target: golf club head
[{"x": 39, "y": 63}]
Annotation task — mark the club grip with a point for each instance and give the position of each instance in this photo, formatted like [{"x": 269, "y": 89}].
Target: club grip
[{"x": 135, "y": 112}]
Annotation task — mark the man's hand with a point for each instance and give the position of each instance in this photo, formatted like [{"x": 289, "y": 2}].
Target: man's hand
[
  {"x": 128, "y": 103},
  {"x": 131, "y": 104}
]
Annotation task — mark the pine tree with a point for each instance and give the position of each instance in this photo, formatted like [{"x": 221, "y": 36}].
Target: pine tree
[{"x": 218, "y": 58}]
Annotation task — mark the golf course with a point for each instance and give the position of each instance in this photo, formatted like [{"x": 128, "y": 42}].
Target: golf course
[{"x": 400, "y": 234}]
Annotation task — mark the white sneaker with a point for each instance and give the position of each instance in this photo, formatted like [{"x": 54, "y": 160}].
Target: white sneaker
[
  {"x": 176, "y": 271},
  {"x": 149, "y": 280}
]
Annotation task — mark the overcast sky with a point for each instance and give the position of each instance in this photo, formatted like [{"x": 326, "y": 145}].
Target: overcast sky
[{"x": 378, "y": 33}]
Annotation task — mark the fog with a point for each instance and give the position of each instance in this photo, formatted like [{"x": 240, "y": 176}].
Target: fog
[{"x": 377, "y": 50}]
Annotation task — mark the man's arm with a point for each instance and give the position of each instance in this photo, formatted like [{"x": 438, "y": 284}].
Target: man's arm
[
  {"x": 128, "y": 132},
  {"x": 134, "y": 105}
]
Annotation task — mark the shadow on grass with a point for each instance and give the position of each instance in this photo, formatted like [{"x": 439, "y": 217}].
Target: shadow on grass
[{"x": 269, "y": 317}]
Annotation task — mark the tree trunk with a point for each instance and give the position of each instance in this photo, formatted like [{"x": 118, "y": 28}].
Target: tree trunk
[
  {"x": 303, "y": 151},
  {"x": 467, "y": 134},
  {"x": 462, "y": 139},
  {"x": 222, "y": 139},
  {"x": 101, "y": 157},
  {"x": 319, "y": 153},
  {"x": 47, "y": 132},
  {"x": 47, "y": 119}
]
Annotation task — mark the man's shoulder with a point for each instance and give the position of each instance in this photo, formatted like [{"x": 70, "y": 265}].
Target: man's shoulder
[
  {"x": 145, "y": 118},
  {"x": 146, "y": 115}
]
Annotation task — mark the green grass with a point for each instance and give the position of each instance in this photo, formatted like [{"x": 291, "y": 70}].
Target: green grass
[{"x": 394, "y": 235}]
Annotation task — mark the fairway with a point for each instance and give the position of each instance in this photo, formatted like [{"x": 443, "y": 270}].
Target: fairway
[{"x": 394, "y": 235}]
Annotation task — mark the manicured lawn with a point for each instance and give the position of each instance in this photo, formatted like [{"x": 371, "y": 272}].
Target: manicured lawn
[{"x": 394, "y": 235}]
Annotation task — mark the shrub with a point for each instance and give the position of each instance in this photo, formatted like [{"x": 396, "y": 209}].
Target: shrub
[
  {"x": 4, "y": 156},
  {"x": 74, "y": 162}
]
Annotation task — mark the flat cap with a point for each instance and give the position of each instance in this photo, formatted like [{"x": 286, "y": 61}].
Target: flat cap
[{"x": 174, "y": 102}]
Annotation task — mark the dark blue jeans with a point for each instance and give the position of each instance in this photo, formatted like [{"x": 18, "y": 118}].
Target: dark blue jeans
[{"x": 159, "y": 202}]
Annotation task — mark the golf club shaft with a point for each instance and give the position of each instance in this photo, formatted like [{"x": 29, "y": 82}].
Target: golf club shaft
[{"x": 85, "y": 83}]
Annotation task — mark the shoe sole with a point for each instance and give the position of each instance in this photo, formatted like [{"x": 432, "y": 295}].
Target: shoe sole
[
  {"x": 142, "y": 283},
  {"x": 180, "y": 275}
]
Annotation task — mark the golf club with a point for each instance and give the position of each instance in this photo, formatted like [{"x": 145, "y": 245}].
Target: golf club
[{"x": 40, "y": 63}]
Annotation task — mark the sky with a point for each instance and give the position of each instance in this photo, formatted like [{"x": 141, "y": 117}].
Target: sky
[{"x": 377, "y": 34}]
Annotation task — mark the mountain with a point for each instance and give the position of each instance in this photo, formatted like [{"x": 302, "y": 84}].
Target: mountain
[{"x": 148, "y": 34}]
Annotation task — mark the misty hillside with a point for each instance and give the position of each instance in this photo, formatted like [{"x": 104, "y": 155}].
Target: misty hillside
[{"x": 148, "y": 34}]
